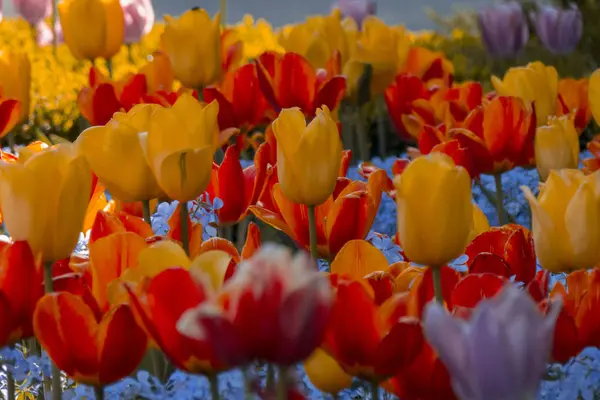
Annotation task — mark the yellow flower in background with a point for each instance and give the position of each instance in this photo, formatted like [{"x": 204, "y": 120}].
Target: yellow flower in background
[
  {"x": 116, "y": 157},
  {"x": 44, "y": 200},
  {"x": 556, "y": 145},
  {"x": 15, "y": 79},
  {"x": 435, "y": 211},
  {"x": 535, "y": 83},
  {"x": 193, "y": 44},
  {"x": 179, "y": 146},
  {"x": 92, "y": 28},
  {"x": 258, "y": 37},
  {"x": 308, "y": 156},
  {"x": 385, "y": 48},
  {"x": 326, "y": 373},
  {"x": 566, "y": 220}
]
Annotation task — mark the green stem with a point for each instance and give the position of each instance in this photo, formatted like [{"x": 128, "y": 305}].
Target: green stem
[
  {"x": 99, "y": 391},
  {"x": 12, "y": 143},
  {"x": 491, "y": 197},
  {"x": 54, "y": 22},
  {"x": 223, "y": 12},
  {"x": 500, "y": 200},
  {"x": 282, "y": 384},
  {"x": 10, "y": 386},
  {"x": 109, "y": 67},
  {"x": 381, "y": 129},
  {"x": 49, "y": 288},
  {"x": 437, "y": 284},
  {"x": 183, "y": 217},
  {"x": 247, "y": 384},
  {"x": 270, "y": 378},
  {"x": 214, "y": 386},
  {"x": 242, "y": 228},
  {"x": 130, "y": 53},
  {"x": 312, "y": 233},
  {"x": 361, "y": 136},
  {"x": 374, "y": 390},
  {"x": 146, "y": 211}
]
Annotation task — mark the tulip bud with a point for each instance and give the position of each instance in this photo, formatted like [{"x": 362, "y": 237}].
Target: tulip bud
[
  {"x": 504, "y": 30},
  {"x": 193, "y": 44},
  {"x": 34, "y": 11},
  {"x": 308, "y": 157},
  {"x": 556, "y": 145},
  {"x": 566, "y": 220},
  {"x": 92, "y": 28},
  {"x": 139, "y": 19},
  {"x": 435, "y": 212},
  {"x": 559, "y": 30}
]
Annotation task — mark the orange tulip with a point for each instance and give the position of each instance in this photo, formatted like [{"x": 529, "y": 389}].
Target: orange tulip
[
  {"x": 432, "y": 67},
  {"x": 370, "y": 342},
  {"x": 238, "y": 188},
  {"x": 10, "y": 114},
  {"x": 348, "y": 214},
  {"x": 232, "y": 50},
  {"x": 592, "y": 164},
  {"x": 91, "y": 348},
  {"x": 499, "y": 135},
  {"x": 241, "y": 104},
  {"x": 439, "y": 139},
  {"x": 289, "y": 80},
  {"x": 20, "y": 289},
  {"x": 573, "y": 98},
  {"x": 159, "y": 73},
  {"x": 452, "y": 105}
]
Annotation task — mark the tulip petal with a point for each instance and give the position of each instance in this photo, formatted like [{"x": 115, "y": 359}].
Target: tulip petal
[
  {"x": 359, "y": 258},
  {"x": 325, "y": 372}
]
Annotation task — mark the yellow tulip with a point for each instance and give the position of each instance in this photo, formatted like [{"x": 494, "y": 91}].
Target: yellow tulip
[
  {"x": 535, "y": 83},
  {"x": 435, "y": 213},
  {"x": 308, "y": 157},
  {"x": 384, "y": 47},
  {"x": 556, "y": 145},
  {"x": 15, "y": 79},
  {"x": 92, "y": 28},
  {"x": 45, "y": 199},
  {"x": 594, "y": 95},
  {"x": 115, "y": 155},
  {"x": 193, "y": 44},
  {"x": 325, "y": 372},
  {"x": 566, "y": 220},
  {"x": 480, "y": 223},
  {"x": 179, "y": 146}
]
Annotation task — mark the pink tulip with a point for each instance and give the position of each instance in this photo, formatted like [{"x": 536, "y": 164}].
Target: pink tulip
[
  {"x": 139, "y": 19},
  {"x": 358, "y": 10},
  {"x": 34, "y": 11}
]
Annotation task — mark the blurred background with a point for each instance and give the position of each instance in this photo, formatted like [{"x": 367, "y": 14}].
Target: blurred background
[{"x": 280, "y": 12}]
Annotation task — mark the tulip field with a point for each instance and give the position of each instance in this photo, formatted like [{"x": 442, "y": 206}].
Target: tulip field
[{"x": 196, "y": 210}]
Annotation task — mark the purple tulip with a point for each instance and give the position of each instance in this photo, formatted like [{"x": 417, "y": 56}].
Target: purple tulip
[
  {"x": 34, "y": 11},
  {"x": 503, "y": 29},
  {"x": 139, "y": 19},
  {"x": 560, "y": 30},
  {"x": 358, "y": 10},
  {"x": 501, "y": 352}
]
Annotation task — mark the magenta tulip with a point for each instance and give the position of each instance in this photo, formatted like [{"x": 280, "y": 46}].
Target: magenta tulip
[
  {"x": 358, "y": 10},
  {"x": 501, "y": 352},
  {"x": 503, "y": 28},
  {"x": 139, "y": 19},
  {"x": 559, "y": 30},
  {"x": 34, "y": 11}
]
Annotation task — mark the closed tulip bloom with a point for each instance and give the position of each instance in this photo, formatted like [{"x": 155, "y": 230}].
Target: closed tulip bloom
[
  {"x": 15, "y": 79},
  {"x": 195, "y": 53},
  {"x": 535, "y": 83},
  {"x": 566, "y": 220},
  {"x": 501, "y": 352},
  {"x": 115, "y": 155},
  {"x": 139, "y": 19},
  {"x": 556, "y": 145},
  {"x": 559, "y": 30},
  {"x": 179, "y": 146},
  {"x": 44, "y": 200},
  {"x": 435, "y": 213},
  {"x": 594, "y": 95},
  {"x": 308, "y": 156},
  {"x": 92, "y": 28},
  {"x": 34, "y": 11},
  {"x": 503, "y": 28}
]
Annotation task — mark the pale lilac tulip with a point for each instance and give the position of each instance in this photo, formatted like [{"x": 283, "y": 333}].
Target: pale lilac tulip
[
  {"x": 139, "y": 19},
  {"x": 358, "y": 10},
  {"x": 559, "y": 30},
  {"x": 503, "y": 29},
  {"x": 44, "y": 34},
  {"x": 501, "y": 352},
  {"x": 34, "y": 11}
]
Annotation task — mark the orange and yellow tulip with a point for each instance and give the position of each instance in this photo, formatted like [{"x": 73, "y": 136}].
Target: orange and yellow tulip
[
  {"x": 44, "y": 200},
  {"x": 15, "y": 80},
  {"x": 92, "y": 28},
  {"x": 91, "y": 348},
  {"x": 195, "y": 54},
  {"x": 573, "y": 99},
  {"x": 556, "y": 145},
  {"x": 10, "y": 114},
  {"x": 159, "y": 73}
]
